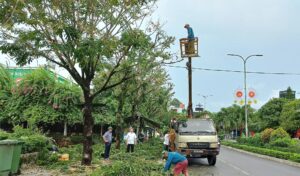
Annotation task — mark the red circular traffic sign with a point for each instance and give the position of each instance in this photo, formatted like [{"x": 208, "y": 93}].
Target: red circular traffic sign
[
  {"x": 239, "y": 94},
  {"x": 251, "y": 94}
]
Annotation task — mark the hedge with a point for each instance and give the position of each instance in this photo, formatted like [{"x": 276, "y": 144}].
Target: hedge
[{"x": 264, "y": 151}]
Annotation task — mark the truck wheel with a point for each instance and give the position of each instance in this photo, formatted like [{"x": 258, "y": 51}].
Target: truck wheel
[{"x": 212, "y": 160}]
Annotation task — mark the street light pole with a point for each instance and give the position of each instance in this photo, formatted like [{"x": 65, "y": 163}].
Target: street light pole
[
  {"x": 245, "y": 86},
  {"x": 205, "y": 97}
]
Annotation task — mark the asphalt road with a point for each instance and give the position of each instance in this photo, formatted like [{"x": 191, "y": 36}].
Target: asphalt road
[{"x": 233, "y": 163}]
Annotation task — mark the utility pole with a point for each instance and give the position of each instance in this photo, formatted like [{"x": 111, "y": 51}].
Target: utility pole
[
  {"x": 189, "y": 49},
  {"x": 245, "y": 86},
  {"x": 190, "y": 105}
]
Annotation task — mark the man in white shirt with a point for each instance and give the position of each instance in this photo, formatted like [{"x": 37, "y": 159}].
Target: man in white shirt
[
  {"x": 166, "y": 141},
  {"x": 131, "y": 140}
]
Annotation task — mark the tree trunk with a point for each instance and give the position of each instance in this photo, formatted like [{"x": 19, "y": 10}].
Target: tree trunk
[
  {"x": 101, "y": 130},
  {"x": 88, "y": 124},
  {"x": 65, "y": 128},
  {"x": 119, "y": 130},
  {"x": 118, "y": 136},
  {"x": 138, "y": 126}
]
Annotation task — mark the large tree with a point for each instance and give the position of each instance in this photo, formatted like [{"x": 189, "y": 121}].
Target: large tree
[
  {"x": 290, "y": 116},
  {"x": 232, "y": 118},
  {"x": 83, "y": 37},
  {"x": 146, "y": 95},
  {"x": 39, "y": 98},
  {"x": 268, "y": 116}
]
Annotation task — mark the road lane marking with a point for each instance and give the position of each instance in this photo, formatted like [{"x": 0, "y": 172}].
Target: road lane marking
[{"x": 235, "y": 167}]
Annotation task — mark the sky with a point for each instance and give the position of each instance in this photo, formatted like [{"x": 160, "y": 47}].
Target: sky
[{"x": 244, "y": 27}]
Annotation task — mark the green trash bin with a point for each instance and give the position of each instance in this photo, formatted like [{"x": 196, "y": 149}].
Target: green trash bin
[
  {"x": 15, "y": 165},
  {"x": 10, "y": 153},
  {"x": 6, "y": 153}
]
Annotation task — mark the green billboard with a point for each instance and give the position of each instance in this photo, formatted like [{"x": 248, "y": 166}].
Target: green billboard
[{"x": 20, "y": 72}]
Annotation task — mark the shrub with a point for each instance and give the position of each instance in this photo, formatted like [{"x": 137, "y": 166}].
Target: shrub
[
  {"x": 295, "y": 157},
  {"x": 264, "y": 151},
  {"x": 279, "y": 133},
  {"x": 242, "y": 140},
  {"x": 4, "y": 135},
  {"x": 46, "y": 158},
  {"x": 255, "y": 140},
  {"x": 283, "y": 142},
  {"x": 34, "y": 141},
  {"x": 77, "y": 139},
  {"x": 266, "y": 134}
]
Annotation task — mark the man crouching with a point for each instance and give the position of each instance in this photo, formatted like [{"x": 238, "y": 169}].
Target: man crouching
[{"x": 181, "y": 163}]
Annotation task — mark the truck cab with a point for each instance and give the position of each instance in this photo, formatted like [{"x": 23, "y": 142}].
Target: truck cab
[{"x": 197, "y": 138}]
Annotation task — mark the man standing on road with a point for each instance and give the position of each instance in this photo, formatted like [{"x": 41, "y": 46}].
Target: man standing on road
[
  {"x": 131, "y": 140},
  {"x": 181, "y": 163},
  {"x": 107, "y": 138}
]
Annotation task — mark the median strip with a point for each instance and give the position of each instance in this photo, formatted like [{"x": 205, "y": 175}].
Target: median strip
[{"x": 292, "y": 159}]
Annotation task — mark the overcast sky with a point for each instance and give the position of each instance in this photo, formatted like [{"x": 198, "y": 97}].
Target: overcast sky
[{"x": 245, "y": 27}]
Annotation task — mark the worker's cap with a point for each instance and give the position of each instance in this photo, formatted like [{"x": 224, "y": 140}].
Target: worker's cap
[
  {"x": 186, "y": 25},
  {"x": 110, "y": 128}
]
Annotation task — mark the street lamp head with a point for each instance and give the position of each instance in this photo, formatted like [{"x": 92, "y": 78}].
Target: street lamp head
[
  {"x": 259, "y": 55},
  {"x": 231, "y": 54}
]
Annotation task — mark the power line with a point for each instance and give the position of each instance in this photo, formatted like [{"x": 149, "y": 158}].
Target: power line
[{"x": 237, "y": 71}]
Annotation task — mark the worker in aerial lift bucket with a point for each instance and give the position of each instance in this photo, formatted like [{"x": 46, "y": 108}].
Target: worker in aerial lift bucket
[{"x": 190, "y": 48}]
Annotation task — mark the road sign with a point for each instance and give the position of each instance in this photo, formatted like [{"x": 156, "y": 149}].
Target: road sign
[{"x": 239, "y": 94}]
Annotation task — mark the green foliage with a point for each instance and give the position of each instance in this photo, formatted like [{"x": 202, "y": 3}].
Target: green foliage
[
  {"x": 266, "y": 135},
  {"x": 38, "y": 99},
  {"x": 109, "y": 40},
  {"x": 133, "y": 166},
  {"x": 270, "y": 113},
  {"x": 5, "y": 80},
  {"x": 282, "y": 142},
  {"x": 264, "y": 151},
  {"x": 45, "y": 157},
  {"x": 231, "y": 118},
  {"x": 34, "y": 141},
  {"x": 4, "y": 135},
  {"x": 279, "y": 133},
  {"x": 5, "y": 89},
  {"x": 76, "y": 139},
  {"x": 175, "y": 102},
  {"x": 256, "y": 140},
  {"x": 144, "y": 161},
  {"x": 290, "y": 116}
]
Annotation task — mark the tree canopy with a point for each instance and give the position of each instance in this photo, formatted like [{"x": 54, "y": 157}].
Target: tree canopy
[
  {"x": 87, "y": 38},
  {"x": 290, "y": 116},
  {"x": 269, "y": 114}
]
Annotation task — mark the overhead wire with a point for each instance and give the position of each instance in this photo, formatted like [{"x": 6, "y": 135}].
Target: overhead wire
[{"x": 237, "y": 71}]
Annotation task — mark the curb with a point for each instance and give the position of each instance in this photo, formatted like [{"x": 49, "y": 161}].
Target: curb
[{"x": 290, "y": 163}]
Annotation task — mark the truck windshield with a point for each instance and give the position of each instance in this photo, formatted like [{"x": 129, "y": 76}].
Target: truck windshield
[{"x": 197, "y": 126}]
